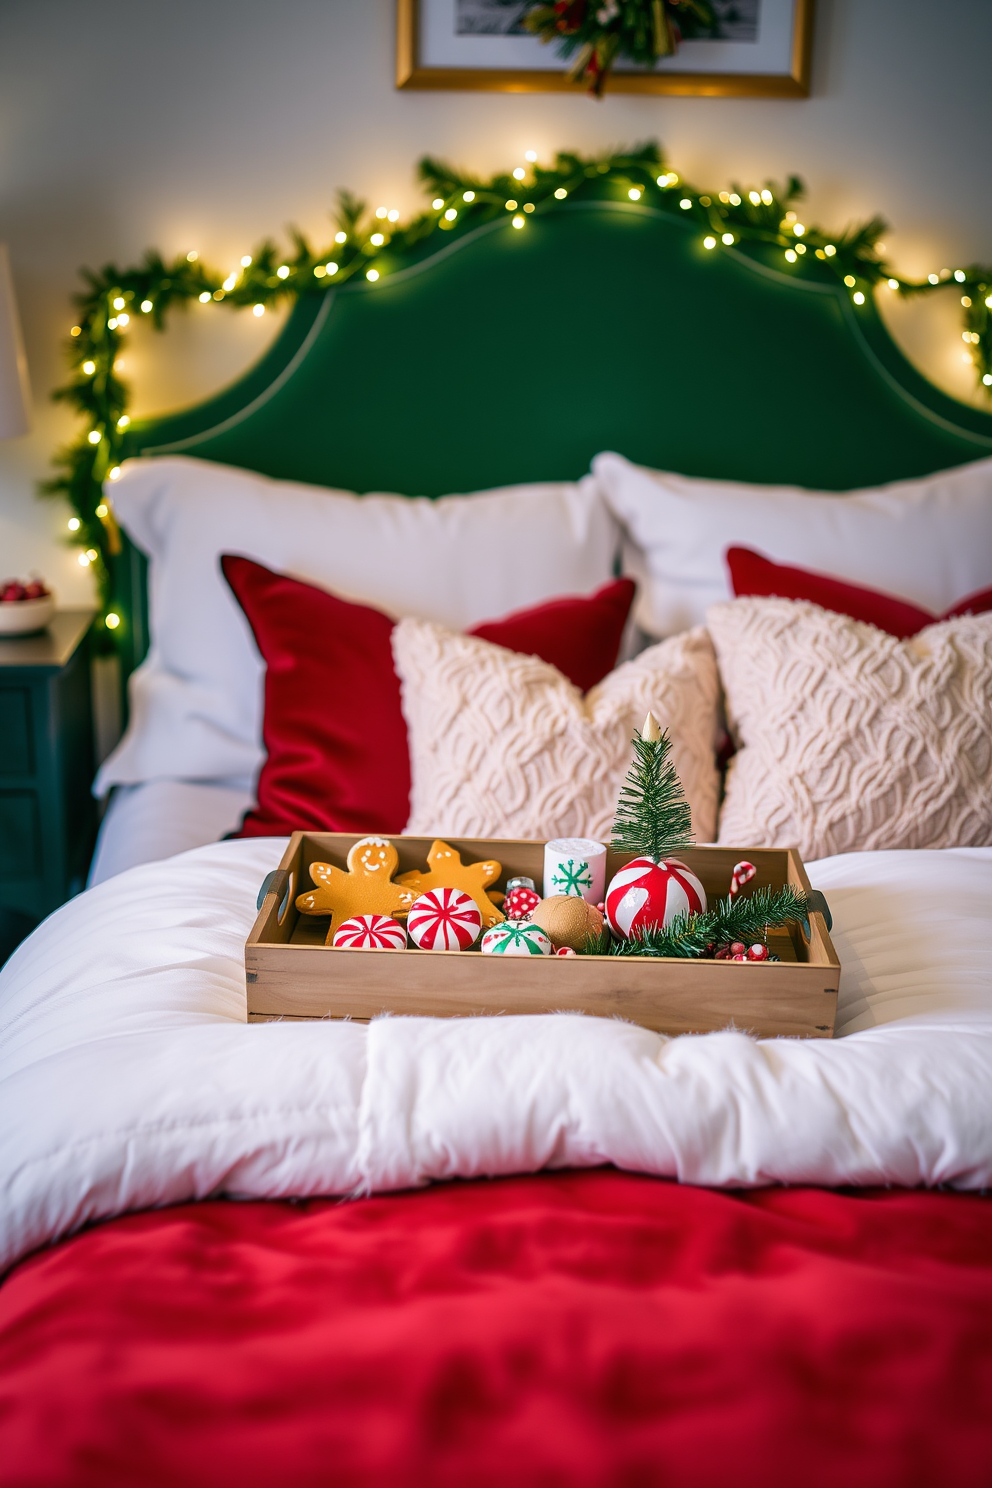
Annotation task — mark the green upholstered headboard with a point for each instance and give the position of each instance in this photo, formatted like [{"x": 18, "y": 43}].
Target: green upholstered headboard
[{"x": 514, "y": 355}]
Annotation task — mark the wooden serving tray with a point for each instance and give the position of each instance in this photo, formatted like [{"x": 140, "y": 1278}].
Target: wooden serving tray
[{"x": 290, "y": 973}]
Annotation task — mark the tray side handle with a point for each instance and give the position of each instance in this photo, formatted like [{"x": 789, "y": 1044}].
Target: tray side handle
[
  {"x": 276, "y": 882},
  {"x": 816, "y": 901}
]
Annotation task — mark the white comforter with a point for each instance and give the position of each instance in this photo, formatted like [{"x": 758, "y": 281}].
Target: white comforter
[{"x": 129, "y": 1077}]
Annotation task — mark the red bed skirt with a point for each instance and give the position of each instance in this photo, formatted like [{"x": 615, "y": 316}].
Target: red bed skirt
[{"x": 566, "y": 1329}]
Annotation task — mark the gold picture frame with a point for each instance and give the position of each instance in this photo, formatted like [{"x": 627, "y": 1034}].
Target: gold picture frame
[{"x": 412, "y": 73}]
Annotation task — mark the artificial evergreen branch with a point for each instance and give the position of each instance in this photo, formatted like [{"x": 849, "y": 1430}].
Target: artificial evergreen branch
[
  {"x": 745, "y": 918},
  {"x": 653, "y": 818}
]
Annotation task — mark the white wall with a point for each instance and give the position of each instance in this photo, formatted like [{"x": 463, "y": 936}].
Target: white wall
[{"x": 210, "y": 123}]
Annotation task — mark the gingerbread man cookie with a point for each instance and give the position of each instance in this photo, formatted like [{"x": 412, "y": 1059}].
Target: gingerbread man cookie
[
  {"x": 447, "y": 871},
  {"x": 366, "y": 888}
]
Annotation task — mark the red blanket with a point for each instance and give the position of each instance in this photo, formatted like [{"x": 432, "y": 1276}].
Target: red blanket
[{"x": 569, "y": 1329}]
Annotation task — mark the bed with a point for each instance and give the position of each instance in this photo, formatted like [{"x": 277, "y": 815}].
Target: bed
[{"x": 574, "y": 1251}]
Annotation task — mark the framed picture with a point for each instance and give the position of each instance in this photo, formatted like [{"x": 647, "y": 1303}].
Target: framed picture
[{"x": 763, "y": 51}]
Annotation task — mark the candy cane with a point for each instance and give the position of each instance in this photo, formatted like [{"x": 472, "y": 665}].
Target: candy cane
[{"x": 742, "y": 874}]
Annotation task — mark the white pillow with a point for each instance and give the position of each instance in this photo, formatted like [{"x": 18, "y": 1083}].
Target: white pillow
[
  {"x": 849, "y": 738},
  {"x": 928, "y": 541},
  {"x": 502, "y": 745},
  {"x": 196, "y": 700}
]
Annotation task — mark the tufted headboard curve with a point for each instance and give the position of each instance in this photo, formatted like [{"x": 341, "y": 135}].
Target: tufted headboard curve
[{"x": 511, "y": 356}]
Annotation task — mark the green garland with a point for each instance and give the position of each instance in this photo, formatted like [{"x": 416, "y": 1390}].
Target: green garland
[{"x": 375, "y": 245}]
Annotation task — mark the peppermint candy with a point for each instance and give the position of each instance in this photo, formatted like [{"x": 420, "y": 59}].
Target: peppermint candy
[
  {"x": 444, "y": 920},
  {"x": 742, "y": 874},
  {"x": 370, "y": 932},
  {"x": 516, "y": 938}
]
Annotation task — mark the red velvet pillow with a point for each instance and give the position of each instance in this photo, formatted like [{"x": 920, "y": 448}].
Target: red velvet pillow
[
  {"x": 334, "y": 731},
  {"x": 751, "y": 574}
]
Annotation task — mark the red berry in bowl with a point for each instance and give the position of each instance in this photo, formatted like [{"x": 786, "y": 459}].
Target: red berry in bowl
[
  {"x": 35, "y": 590},
  {"x": 13, "y": 591}
]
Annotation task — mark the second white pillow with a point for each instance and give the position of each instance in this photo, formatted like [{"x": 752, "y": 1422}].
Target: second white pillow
[{"x": 502, "y": 745}]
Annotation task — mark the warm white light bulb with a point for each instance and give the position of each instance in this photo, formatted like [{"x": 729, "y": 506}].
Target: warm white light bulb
[
  {"x": 123, "y": 421},
  {"x": 258, "y": 309},
  {"x": 798, "y": 228},
  {"x": 246, "y": 261},
  {"x": 75, "y": 330},
  {"x": 560, "y": 194},
  {"x": 960, "y": 275},
  {"x": 74, "y": 524},
  {"x": 103, "y": 509},
  {"x": 92, "y": 554},
  {"x": 468, "y": 196},
  {"x": 393, "y": 215},
  {"x": 205, "y": 297},
  {"x": 893, "y": 283},
  {"x": 89, "y": 368},
  {"x": 830, "y": 250},
  {"x": 192, "y": 256},
  {"x": 754, "y": 197},
  {"x": 933, "y": 278},
  {"x": 685, "y": 204},
  {"x": 230, "y": 281},
  {"x": 511, "y": 205},
  {"x": 377, "y": 240},
  {"x": 766, "y": 197},
  {"x": 340, "y": 237},
  {"x": 119, "y": 302},
  {"x": 519, "y": 173},
  {"x": 529, "y": 207},
  {"x": 450, "y": 215},
  {"x": 381, "y": 212},
  {"x": 94, "y": 436},
  {"x": 114, "y": 474},
  {"x": 83, "y": 561},
  {"x": 709, "y": 242},
  {"x": 112, "y": 323},
  {"x": 850, "y": 280},
  {"x": 123, "y": 319},
  {"x": 634, "y": 193},
  {"x": 728, "y": 238},
  {"x": 530, "y": 155},
  {"x": 112, "y": 621},
  {"x": 146, "y": 306},
  {"x": 283, "y": 271},
  {"x": 790, "y": 255},
  {"x": 437, "y": 204},
  {"x": 987, "y": 379},
  {"x": 319, "y": 272},
  {"x": 518, "y": 221},
  {"x": 372, "y": 275},
  {"x": 988, "y": 301},
  {"x": 859, "y": 298},
  {"x": 332, "y": 267}
]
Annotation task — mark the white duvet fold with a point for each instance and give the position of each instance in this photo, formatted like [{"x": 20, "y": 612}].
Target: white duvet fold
[{"x": 129, "y": 1077}]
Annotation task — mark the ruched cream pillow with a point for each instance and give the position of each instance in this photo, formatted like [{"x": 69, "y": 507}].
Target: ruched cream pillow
[
  {"x": 502, "y": 745},
  {"x": 850, "y": 739}
]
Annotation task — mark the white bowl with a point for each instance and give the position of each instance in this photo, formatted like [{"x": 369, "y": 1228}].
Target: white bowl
[{"x": 22, "y": 616}]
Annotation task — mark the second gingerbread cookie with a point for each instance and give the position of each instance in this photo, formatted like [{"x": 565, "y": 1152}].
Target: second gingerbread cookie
[{"x": 447, "y": 871}]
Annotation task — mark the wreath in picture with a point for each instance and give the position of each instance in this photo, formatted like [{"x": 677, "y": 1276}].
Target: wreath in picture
[
  {"x": 376, "y": 244},
  {"x": 596, "y": 35}
]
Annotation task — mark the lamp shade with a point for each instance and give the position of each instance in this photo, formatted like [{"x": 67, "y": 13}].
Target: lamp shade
[{"x": 15, "y": 394}]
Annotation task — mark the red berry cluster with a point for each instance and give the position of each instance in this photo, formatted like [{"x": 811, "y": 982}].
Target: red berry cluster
[
  {"x": 12, "y": 591},
  {"x": 738, "y": 951}
]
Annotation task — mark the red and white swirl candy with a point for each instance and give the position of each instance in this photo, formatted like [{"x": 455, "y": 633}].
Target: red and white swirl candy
[
  {"x": 648, "y": 893},
  {"x": 444, "y": 920},
  {"x": 370, "y": 932}
]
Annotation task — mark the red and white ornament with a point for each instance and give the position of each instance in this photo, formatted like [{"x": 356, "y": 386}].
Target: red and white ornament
[
  {"x": 370, "y": 932},
  {"x": 646, "y": 894},
  {"x": 757, "y": 952},
  {"x": 521, "y": 898},
  {"x": 444, "y": 920}
]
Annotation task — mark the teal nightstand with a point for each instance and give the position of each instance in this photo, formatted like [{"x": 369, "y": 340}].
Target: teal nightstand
[{"x": 47, "y": 815}]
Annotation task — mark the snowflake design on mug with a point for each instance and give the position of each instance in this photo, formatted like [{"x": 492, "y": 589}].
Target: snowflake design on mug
[{"x": 572, "y": 877}]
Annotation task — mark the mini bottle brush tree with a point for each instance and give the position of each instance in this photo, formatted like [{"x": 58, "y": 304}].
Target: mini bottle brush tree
[{"x": 653, "y": 821}]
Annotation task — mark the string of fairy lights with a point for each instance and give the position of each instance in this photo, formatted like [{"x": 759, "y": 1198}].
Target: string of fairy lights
[{"x": 374, "y": 245}]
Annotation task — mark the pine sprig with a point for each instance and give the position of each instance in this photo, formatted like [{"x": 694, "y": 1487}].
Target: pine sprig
[
  {"x": 653, "y": 817},
  {"x": 745, "y": 918}
]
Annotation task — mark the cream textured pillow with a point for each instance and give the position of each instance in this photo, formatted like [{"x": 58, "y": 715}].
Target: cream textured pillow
[
  {"x": 502, "y": 745},
  {"x": 850, "y": 739}
]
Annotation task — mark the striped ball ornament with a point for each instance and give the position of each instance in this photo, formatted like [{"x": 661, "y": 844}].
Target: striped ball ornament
[
  {"x": 444, "y": 920},
  {"x": 516, "y": 938},
  {"x": 648, "y": 893},
  {"x": 370, "y": 932}
]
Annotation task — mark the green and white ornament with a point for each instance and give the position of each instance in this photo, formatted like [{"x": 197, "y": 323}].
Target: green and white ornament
[{"x": 516, "y": 938}]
